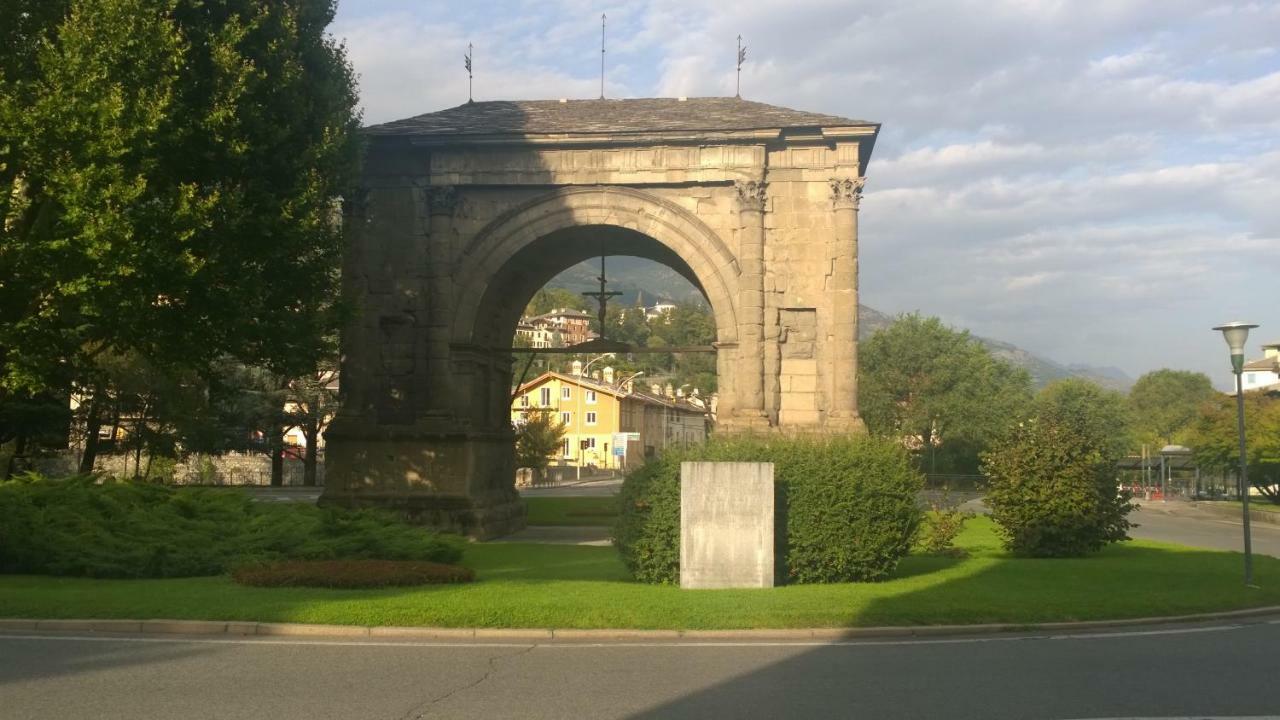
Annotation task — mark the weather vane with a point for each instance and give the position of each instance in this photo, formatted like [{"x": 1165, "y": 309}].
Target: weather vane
[
  {"x": 602, "y": 296},
  {"x": 602, "y": 21},
  {"x": 466, "y": 61},
  {"x": 742, "y": 56}
]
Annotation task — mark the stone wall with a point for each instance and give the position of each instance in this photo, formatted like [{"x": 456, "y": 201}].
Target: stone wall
[{"x": 229, "y": 469}]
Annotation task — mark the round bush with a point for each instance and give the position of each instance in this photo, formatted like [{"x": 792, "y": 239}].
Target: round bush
[
  {"x": 847, "y": 507},
  {"x": 1053, "y": 490},
  {"x": 350, "y": 574}
]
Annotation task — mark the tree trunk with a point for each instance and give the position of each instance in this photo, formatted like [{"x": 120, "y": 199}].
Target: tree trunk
[
  {"x": 18, "y": 456},
  {"x": 310, "y": 431},
  {"x": 92, "y": 426},
  {"x": 277, "y": 463}
]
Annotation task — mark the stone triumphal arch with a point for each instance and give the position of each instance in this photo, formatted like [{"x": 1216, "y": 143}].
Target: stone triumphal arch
[{"x": 465, "y": 213}]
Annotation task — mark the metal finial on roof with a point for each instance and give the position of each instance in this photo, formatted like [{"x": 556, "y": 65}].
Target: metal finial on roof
[
  {"x": 742, "y": 56},
  {"x": 466, "y": 61},
  {"x": 602, "y": 21}
]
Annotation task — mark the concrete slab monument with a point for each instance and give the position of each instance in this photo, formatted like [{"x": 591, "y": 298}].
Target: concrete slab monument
[{"x": 726, "y": 525}]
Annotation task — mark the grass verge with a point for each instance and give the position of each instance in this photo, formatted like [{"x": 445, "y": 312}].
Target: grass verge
[
  {"x": 580, "y": 511},
  {"x": 541, "y": 586}
]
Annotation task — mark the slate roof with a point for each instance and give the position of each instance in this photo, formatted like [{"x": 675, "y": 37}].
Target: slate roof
[{"x": 535, "y": 117}]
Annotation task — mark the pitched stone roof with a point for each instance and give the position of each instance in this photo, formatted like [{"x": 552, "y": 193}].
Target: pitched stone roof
[{"x": 535, "y": 117}]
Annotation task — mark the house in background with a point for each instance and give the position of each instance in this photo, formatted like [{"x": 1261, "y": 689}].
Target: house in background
[
  {"x": 1262, "y": 374},
  {"x": 558, "y": 328},
  {"x": 608, "y": 423}
]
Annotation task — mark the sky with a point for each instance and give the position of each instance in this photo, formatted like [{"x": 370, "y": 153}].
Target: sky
[{"x": 1096, "y": 181}]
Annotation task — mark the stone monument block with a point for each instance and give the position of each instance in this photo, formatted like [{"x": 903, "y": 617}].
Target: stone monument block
[{"x": 726, "y": 525}]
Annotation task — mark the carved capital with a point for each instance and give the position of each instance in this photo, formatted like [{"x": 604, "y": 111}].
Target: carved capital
[
  {"x": 443, "y": 199},
  {"x": 751, "y": 194},
  {"x": 847, "y": 192}
]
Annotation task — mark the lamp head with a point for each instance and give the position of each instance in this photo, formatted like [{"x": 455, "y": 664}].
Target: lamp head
[{"x": 1236, "y": 333}]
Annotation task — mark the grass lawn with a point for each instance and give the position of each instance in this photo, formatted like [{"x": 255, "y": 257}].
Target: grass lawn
[
  {"x": 557, "y": 586},
  {"x": 598, "y": 511}
]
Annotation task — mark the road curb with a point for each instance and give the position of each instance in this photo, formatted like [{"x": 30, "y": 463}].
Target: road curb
[{"x": 311, "y": 630}]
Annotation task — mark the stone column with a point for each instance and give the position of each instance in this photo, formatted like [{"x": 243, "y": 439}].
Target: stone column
[
  {"x": 443, "y": 202},
  {"x": 846, "y": 194},
  {"x": 750, "y": 373}
]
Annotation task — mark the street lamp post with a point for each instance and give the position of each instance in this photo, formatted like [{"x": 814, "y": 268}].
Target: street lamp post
[
  {"x": 1236, "y": 333},
  {"x": 582, "y": 452}
]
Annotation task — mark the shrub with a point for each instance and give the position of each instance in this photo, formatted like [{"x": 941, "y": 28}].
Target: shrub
[
  {"x": 1053, "y": 490},
  {"x": 847, "y": 507},
  {"x": 941, "y": 528},
  {"x": 350, "y": 573},
  {"x": 127, "y": 529}
]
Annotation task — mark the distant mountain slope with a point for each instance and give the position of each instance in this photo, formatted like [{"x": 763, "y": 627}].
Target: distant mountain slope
[{"x": 633, "y": 276}]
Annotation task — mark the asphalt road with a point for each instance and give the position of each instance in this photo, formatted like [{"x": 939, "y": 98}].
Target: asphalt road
[
  {"x": 1200, "y": 670},
  {"x": 1187, "y": 524}
]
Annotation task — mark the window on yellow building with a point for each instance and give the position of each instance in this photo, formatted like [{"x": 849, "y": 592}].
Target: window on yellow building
[
  {"x": 566, "y": 418},
  {"x": 591, "y": 396},
  {"x": 566, "y": 393},
  {"x": 545, "y": 396},
  {"x": 591, "y": 418},
  {"x": 524, "y": 400}
]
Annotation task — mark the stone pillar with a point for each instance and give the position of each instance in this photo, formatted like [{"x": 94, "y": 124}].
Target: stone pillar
[
  {"x": 443, "y": 202},
  {"x": 842, "y": 294},
  {"x": 750, "y": 372}
]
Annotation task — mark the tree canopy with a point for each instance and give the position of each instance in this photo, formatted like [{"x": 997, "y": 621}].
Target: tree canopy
[
  {"x": 167, "y": 183},
  {"x": 1215, "y": 440},
  {"x": 939, "y": 388},
  {"x": 1164, "y": 403},
  {"x": 1088, "y": 408}
]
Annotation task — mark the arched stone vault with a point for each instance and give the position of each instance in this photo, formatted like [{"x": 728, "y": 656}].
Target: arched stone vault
[
  {"x": 674, "y": 237},
  {"x": 465, "y": 213}
]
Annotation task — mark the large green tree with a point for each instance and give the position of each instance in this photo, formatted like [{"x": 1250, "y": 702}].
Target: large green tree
[
  {"x": 1093, "y": 409},
  {"x": 939, "y": 389},
  {"x": 1214, "y": 438},
  {"x": 168, "y": 173},
  {"x": 1165, "y": 403}
]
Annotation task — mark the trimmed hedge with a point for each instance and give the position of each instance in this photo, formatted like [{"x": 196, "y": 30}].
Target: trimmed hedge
[
  {"x": 125, "y": 529},
  {"x": 847, "y": 507},
  {"x": 350, "y": 574}
]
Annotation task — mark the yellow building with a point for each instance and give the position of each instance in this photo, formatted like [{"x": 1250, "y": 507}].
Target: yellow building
[{"x": 608, "y": 425}]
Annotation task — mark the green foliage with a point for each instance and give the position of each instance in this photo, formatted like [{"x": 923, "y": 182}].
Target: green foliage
[
  {"x": 943, "y": 524},
  {"x": 848, "y": 506},
  {"x": 1098, "y": 410},
  {"x": 1214, "y": 439},
  {"x": 129, "y": 530},
  {"x": 1165, "y": 403},
  {"x": 540, "y": 436},
  {"x": 349, "y": 574},
  {"x": 167, "y": 183},
  {"x": 1052, "y": 485},
  {"x": 549, "y": 298},
  {"x": 940, "y": 389}
]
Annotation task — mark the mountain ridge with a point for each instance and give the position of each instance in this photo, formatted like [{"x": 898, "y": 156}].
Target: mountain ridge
[{"x": 647, "y": 281}]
